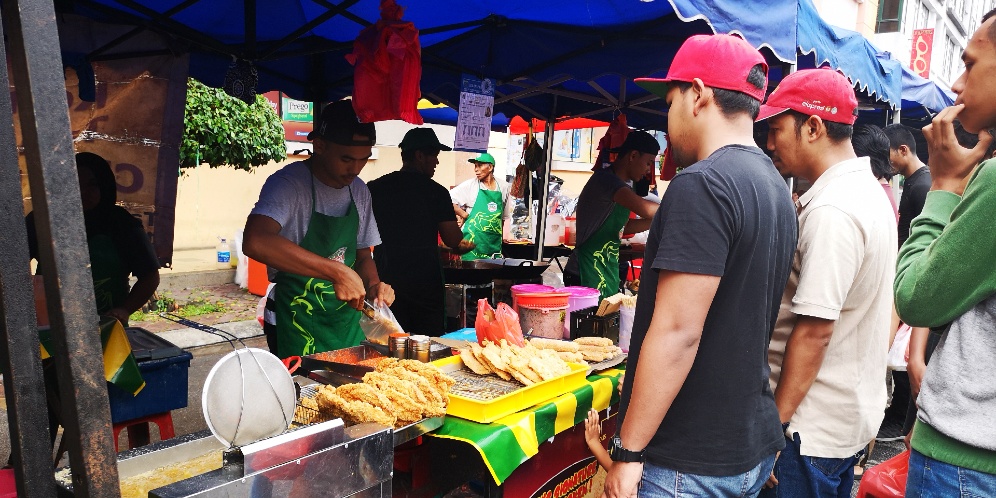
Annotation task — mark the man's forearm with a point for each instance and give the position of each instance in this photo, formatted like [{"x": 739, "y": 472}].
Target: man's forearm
[
  {"x": 278, "y": 252},
  {"x": 804, "y": 353},
  {"x": 366, "y": 268},
  {"x": 656, "y": 383}
]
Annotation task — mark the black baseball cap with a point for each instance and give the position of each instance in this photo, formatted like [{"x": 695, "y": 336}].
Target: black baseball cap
[
  {"x": 339, "y": 124},
  {"x": 421, "y": 139},
  {"x": 640, "y": 141}
]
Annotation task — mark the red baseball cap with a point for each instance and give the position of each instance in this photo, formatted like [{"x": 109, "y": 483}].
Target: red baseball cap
[
  {"x": 814, "y": 92},
  {"x": 720, "y": 61}
]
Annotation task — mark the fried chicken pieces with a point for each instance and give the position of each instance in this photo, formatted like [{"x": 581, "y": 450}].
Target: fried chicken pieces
[
  {"x": 397, "y": 394},
  {"x": 528, "y": 365}
]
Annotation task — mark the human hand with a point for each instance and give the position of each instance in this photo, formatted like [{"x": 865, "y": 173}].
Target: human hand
[
  {"x": 951, "y": 164},
  {"x": 348, "y": 286},
  {"x": 623, "y": 480},
  {"x": 119, "y": 314},
  {"x": 622, "y": 378},
  {"x": 908, "y": 438},
  {"x": 592, "y": 430},
  {"x": 464, "y": 247},
  {"x": 915, "y": 368},
  {"x": 772, "y": 481},
  {"x": 381, "y": 293}
]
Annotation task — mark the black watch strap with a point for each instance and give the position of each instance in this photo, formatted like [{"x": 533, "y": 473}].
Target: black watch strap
[{"x": 619, "y": 454}]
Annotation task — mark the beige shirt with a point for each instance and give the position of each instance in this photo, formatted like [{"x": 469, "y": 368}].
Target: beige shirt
[{"x": 843, "y": 270}]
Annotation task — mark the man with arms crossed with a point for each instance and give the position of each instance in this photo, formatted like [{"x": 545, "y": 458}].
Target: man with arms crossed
[
  {"x": 698, "y": 415},
  {"x": 946, "y": 274},
  {"x": 829, "y": 348}
]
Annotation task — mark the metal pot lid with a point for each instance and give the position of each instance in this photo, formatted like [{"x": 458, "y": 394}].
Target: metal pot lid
[{"x": 248, "y": 395}]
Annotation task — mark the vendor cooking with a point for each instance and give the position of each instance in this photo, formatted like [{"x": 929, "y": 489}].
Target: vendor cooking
[
  {"x": 481, "y": 205},
  {"x": 603, "y": 214},
  {"x": 313, "y": 227}
]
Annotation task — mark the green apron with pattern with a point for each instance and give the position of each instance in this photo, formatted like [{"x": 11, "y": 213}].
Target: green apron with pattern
[
  {"x": 483, "y": 225},
  {"x": 310, "y": 319},
  {"x": 598, "y": 257},
  {"x": 110, "y": 278}
]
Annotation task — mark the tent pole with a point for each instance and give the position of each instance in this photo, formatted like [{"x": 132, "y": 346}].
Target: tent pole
[
  {"x": 23, "y": 382},
  {"x": 36, "y": 68},
  {"x": 544, "y": 193}
]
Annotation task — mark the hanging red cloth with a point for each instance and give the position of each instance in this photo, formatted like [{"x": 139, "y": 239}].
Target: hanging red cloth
[
  {"x": 614, "y": 137},
  {"x": 388, "y": 67},
  {"x": 669, "y": 168}
]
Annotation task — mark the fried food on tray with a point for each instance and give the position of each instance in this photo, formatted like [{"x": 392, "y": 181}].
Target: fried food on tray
[
  {"x": 554, "y": 344},
  {"x": 397, "y": 394},
  {"x": 528, "y": 364},
  {"x": 353, "y": 412},
  {"x": 594, "y": 341},
  {"x": 307, "y": 411}
]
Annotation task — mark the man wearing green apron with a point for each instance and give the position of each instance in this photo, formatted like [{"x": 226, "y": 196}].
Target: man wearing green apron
[
  {"x": 480, "y": 205},
  {"x": 313, "y": 227},
  {"x": 603, "y": 213}
]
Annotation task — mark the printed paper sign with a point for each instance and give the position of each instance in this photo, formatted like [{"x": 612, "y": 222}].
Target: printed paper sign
[
  {"x": 477, "y": 101},
  {"x": 923, "y": 42}
]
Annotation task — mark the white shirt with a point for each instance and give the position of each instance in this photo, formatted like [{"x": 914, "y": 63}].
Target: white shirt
[
  {"x": 842, "y": 270},
  {"x": 465, "y": 194}
]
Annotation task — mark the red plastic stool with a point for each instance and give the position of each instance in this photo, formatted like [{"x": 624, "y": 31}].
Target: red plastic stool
[{"x": 138, "y": 429}]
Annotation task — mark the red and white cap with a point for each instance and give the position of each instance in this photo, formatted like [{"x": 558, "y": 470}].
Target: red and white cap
[
  {"x": 720, "y": 61},
  {"x": 814, "y": 92}
]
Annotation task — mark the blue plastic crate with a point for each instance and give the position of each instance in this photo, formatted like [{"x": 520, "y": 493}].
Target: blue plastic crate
[{"x": 165, "y": 389}]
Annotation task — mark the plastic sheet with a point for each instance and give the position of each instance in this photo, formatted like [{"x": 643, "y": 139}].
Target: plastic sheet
[
  {"x": 495, "y": 325},
  {"x": 887, "y": 479}
]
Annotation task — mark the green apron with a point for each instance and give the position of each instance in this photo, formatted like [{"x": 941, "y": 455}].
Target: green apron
[
  {"x": 598, "y": 257},
  {"x": 483, "y": 225},
  {"x": 310, "y": 319},
  {"x": 110, "y": 279}
]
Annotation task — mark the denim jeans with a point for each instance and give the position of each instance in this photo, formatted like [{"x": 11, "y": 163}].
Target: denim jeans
[
  {"x": 929, "y": 478},
  {"x": 806, "y": 476},
  {"x": 661, "y": 482}
]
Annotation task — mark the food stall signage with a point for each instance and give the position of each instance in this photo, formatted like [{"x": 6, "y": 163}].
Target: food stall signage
[
  {"x": 297, "y": 110},
  {"x": 578, "y": 482},
  {"x": 477, "y": 101}
]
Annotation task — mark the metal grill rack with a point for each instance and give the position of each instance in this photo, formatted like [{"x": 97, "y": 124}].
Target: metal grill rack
[{"x": 481, "y": 387}]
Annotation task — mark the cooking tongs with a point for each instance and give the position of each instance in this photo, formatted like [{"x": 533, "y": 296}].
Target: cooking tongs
[{"x": 327, "y": 372}]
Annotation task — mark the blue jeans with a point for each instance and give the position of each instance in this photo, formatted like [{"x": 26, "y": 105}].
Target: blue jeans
[
  {"x": 928, "y": 478},
  {"x": 805, "y": 476},
  {"x": 661, "y": 482}
]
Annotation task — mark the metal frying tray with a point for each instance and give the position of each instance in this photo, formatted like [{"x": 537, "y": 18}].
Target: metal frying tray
[{"x": 481, "y": 387}]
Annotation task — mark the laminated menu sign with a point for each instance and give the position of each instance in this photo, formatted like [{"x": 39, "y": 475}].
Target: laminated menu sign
[{"x": 477, "y": 101}]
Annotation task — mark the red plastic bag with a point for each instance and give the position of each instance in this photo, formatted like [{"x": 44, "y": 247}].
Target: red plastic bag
[
  {"x": 495, "y": 325},
  {"x": 388, "y": 60},
  {"x": 887, "y": 479}
]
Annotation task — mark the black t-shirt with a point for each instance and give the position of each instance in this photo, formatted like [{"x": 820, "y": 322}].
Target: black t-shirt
[
  {"x": 911, "y": 203},
  {"x": 409, "y": 207},
  {"x": 729, "y": 215}
]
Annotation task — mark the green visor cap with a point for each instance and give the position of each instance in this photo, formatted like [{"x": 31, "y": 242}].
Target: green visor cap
[{"x": 483, "y": 158}]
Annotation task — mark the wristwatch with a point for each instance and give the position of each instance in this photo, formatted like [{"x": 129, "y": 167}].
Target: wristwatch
[{"x": 619, "y": 454}]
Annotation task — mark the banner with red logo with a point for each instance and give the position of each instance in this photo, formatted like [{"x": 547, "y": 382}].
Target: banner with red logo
[{"x": 923, "y": 45}]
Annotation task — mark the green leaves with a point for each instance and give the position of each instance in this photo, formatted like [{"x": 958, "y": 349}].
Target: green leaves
[{"x": 223, "y": 131}]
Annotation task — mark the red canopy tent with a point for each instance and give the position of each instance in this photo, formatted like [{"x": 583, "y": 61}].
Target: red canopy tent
[{"x": 519, "y": 126}]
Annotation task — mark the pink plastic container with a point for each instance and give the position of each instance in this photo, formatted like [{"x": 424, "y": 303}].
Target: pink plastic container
[
  {"x": 527, "y": 289},
  {"x": 581, "y": 298}
]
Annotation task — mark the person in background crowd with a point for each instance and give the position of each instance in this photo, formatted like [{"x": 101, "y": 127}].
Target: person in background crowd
[
  {"x": 697, "y": 416},
  {"x": 481, "y": 205},
  {"x": 946, "y": 274},
  {"x": 871, "y": 142},
  {"x": 313, "y": 227},
  {"x": 830, "y": 344},
  {"x": 118, "y": 247},
  {"x": 116, "y": 241},
  {"x": 902, "y": 154},
  {"x": 603, "y": 213},
  {"x": 412, "y": 210}
]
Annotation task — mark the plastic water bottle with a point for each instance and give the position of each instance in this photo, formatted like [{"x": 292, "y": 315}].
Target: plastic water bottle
[{"x": 224, "y": 254}]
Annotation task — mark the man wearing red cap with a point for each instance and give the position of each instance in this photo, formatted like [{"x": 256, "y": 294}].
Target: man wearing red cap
[
  {"x": 698, "y": 417},
  {"x": 946, "y": 274},
  {"x": 828, "y": 351}
]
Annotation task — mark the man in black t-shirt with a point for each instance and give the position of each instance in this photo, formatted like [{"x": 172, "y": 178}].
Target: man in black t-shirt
[
  {"x": 698, "y": 402},
  {"x": 902, "y": 155},
  {"x": 411, "y": 211}
]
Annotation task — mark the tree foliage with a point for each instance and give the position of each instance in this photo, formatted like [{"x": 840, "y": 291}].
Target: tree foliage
[{"x": 221, "y": 130}]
